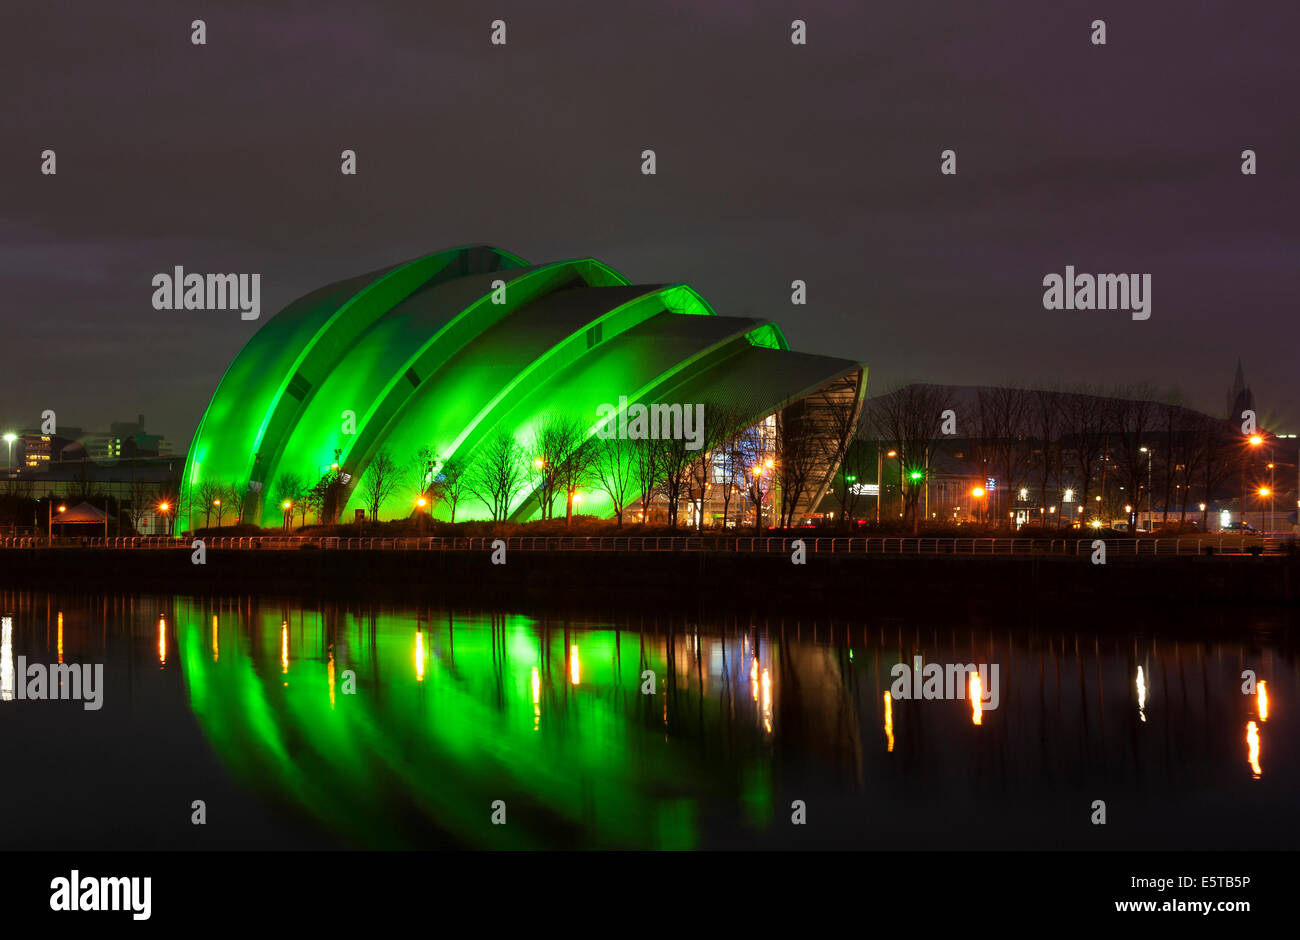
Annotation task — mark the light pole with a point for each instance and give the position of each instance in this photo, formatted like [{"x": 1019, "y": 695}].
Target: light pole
[
  {"x": 880, "y": 476},
  {"x": 1150, "y": 452},
  {"x": 50, "y": 533},
  {"x": 1272, "y": 488},
  {"x": 1253, "y": 441}
]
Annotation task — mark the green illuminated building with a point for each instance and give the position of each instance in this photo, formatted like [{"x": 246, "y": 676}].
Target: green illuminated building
[{"x": 448, "y": 351}]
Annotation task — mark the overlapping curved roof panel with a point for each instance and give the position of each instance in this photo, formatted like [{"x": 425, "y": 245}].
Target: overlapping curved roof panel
[{"x": 448, "y": 350}]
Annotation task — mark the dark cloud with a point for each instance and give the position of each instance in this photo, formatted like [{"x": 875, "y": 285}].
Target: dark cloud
[{"x": 775, "y": 162}]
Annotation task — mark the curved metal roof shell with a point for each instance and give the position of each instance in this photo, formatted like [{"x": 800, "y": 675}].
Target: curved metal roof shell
[{"x": 450, "y": 349}]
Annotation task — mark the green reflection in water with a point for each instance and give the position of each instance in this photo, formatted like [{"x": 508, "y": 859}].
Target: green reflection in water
[{"x": 409, "y": 761}]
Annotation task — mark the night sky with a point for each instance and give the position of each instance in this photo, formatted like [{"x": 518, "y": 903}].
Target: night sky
[{"x": 775, "y": 162}]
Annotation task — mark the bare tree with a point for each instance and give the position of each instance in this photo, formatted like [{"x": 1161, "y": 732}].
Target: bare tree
[
  {"x": 576, "y": 471},
  {"x": 615, "y": 470},
  {"x": 729, "y": 425},
  {"x": 383, "y": 478},
  {"x": 234, "y": 496},
  {"x": 910, "y": 418},
  {"x": 675, "y": 460},
  {"x": 221, "y": 502},
  {"x": 209, "y": 492},
  {"x": 499, "y": 475},
  {"x": 421, "y": 483},
  {"x": 556, "y": 437},
  {"x": 756, "y": 448},
  {"x": 797, "y": 456},
  {"x": 1083, "y": 421},
  {"x": 289, "y": 488},
  {"x": 1003, "y": 416},
  {"x": 138, "y": 492},
  {"x": 1215, "y": 443},
  {"x": 649, "y": 473},
  {"x": 1135, "y": 412},
  {"x": 1048, "y": 417},
  {"x": 454, "y": 482},
  {"x": 857, "y": 465}
]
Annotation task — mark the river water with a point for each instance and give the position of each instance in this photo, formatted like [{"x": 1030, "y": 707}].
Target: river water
[{"x": 284, "y": 725}]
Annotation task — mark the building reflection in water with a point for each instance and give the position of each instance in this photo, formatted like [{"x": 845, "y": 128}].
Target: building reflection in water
[{"x": 420, "y": 750}]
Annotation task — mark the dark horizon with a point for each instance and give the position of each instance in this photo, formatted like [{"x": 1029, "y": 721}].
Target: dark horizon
[{"x": 776, "y": 162}]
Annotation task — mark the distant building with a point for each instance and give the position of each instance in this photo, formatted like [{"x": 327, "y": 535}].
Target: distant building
[
  {"x": 35, "y": 450},
  {"x": 1240, "y": 397}
]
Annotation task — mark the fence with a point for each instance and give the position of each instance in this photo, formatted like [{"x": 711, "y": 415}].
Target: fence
[{"x": 1200, "y": 545}]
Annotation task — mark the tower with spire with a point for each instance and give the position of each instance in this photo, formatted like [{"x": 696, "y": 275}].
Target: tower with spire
[{"x": 1240, "y": 397}]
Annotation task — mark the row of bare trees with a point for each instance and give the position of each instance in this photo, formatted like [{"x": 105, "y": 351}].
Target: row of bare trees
[{"x": 1099, "y": 443}]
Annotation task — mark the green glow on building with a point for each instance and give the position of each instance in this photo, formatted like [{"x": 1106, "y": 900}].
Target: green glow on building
[
  {"x": 451, "y": 349},
  {"x": 419, "y": 752}
]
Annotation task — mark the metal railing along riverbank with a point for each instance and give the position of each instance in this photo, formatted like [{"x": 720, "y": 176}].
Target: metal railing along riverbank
[{"x": 1155, "y": 547}]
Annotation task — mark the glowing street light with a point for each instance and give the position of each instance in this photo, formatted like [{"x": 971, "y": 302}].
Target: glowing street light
[{"x": 9, "y": 439}]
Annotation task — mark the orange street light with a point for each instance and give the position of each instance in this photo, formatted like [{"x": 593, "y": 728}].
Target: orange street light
[
  {"x": 216, "y": 502},
  {"x": 1264, "y": 491},
  {"x": 977, "y": 492},
  {"x": 421, "y": 502},
  {"x": 892, "y": 453},
  {"x": 1256, "y": 440}
]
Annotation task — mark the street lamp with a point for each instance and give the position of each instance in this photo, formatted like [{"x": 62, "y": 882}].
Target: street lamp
[
  {"x": 9, "y": 439},
  {"x": 1272, "y": 480},
  {"x": 1150, "y": 452},
  {"x": 980, "y": 493},
  {"x": 880, "y": 475},
  {"x": 1255, "y": 440},
  {"x": 287, "y": 505},
  {"x": 50, "y": 530},
  {"x": 162, "y": 510}
]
